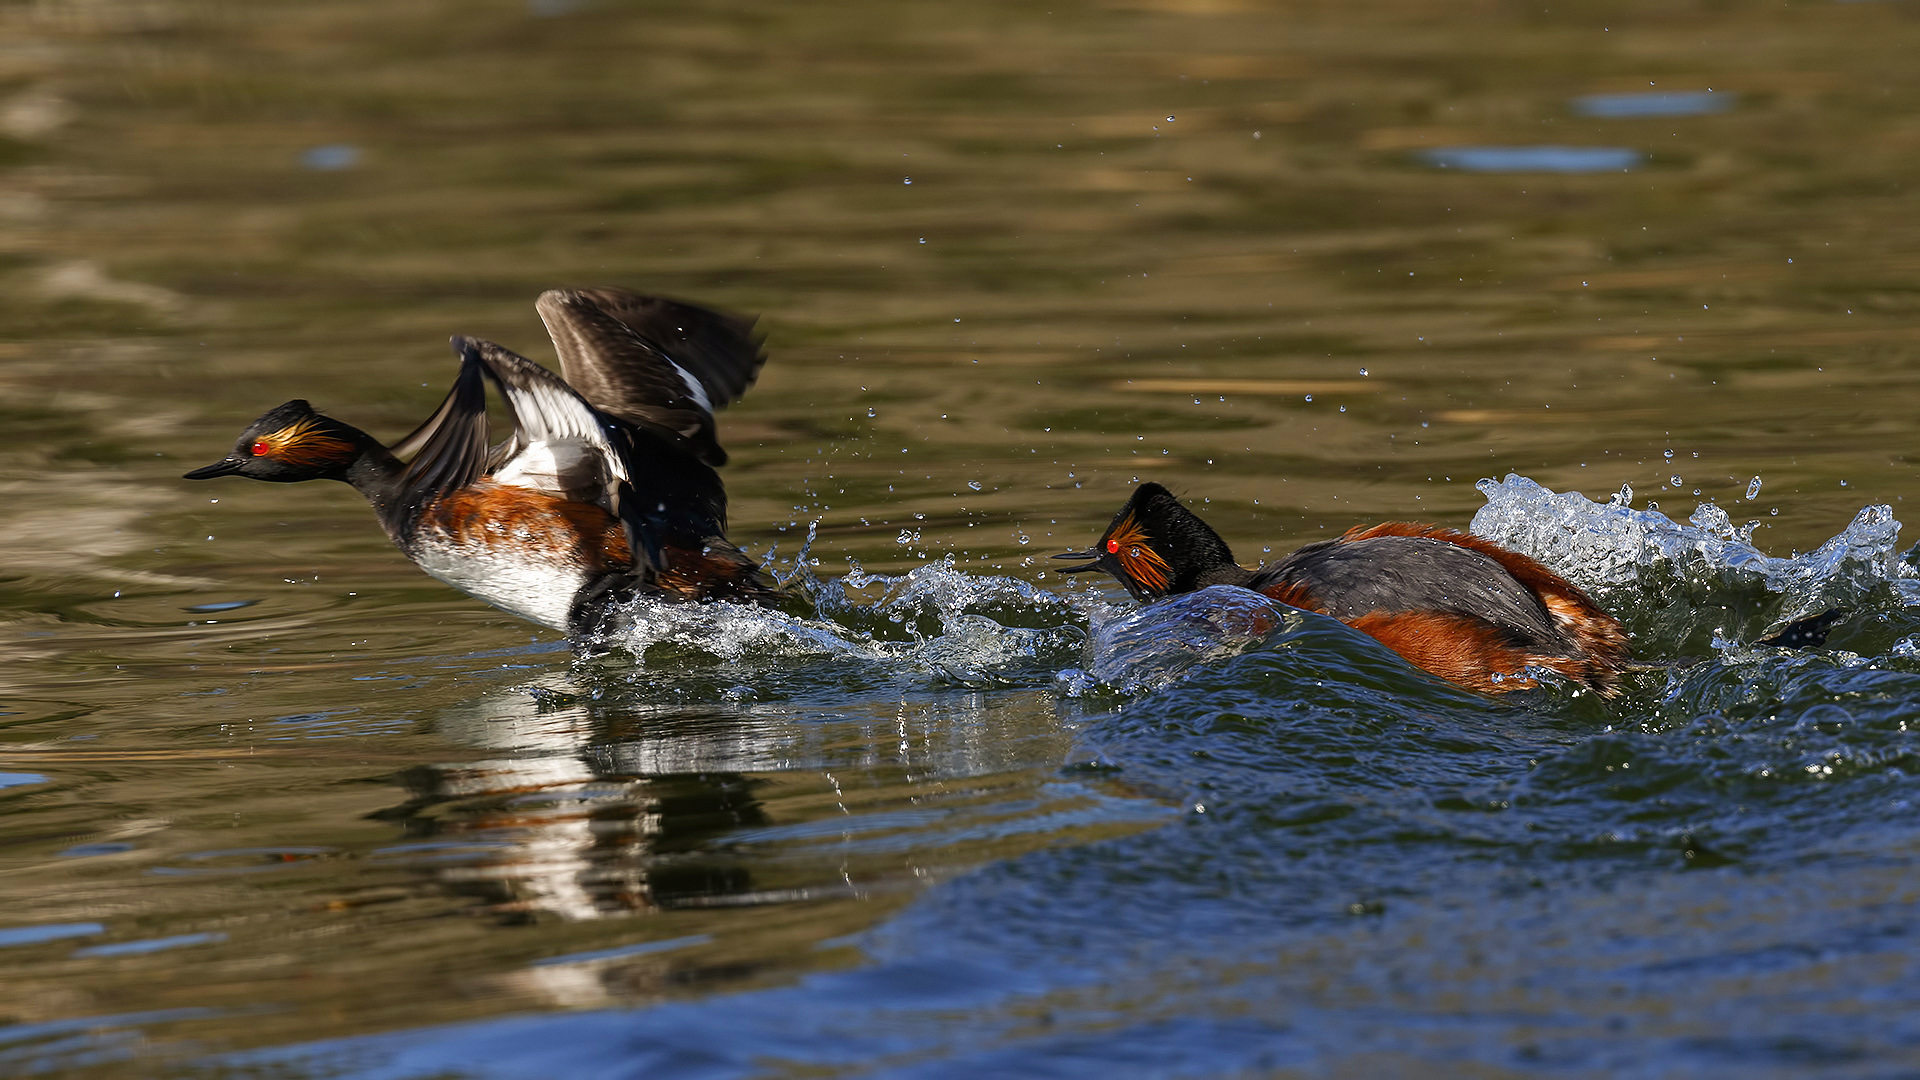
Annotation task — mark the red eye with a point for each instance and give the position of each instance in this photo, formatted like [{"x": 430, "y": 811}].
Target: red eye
[
  {"x": 1113, "y": 546},
  {"x": 260, "y": 448}
]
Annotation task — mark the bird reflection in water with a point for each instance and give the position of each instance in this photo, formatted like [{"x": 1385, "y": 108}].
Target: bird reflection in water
[
  {"x": 579, "y": 807},
  {"x": 581, "y": 819}
]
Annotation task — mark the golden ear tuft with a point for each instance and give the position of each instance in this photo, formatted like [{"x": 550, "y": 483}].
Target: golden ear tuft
[
  {"x": 1138, "y": 559},
  {"x": 304, "y": 443}
]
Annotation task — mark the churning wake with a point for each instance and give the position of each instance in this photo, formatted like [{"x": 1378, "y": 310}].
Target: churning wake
[{"x": 1692, "y": 587}]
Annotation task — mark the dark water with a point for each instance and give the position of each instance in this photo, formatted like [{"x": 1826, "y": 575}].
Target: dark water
[{"x": 274, "y": 804}]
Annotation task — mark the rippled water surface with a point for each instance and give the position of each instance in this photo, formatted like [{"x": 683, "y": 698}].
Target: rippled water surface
[{"x": 273, "y": 803}]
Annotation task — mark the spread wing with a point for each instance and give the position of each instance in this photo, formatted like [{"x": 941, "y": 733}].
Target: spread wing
[
  {"x": 560, "y": 445},
  {"x": 651, "y": 361},
  {"x": 649, "y": 481},
  {"x": 449, "y": 449}
]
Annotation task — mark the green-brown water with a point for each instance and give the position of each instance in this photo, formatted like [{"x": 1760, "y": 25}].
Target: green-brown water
[{"x": 274, "y": 803}]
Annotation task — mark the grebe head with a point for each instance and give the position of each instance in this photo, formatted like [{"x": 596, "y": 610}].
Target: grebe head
[
  {"x": 289, "y": 444},
  {"x": 1155, "y": 546}
]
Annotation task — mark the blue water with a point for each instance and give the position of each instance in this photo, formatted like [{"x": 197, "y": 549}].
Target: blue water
[
  {"x": 1654, "y": 103},
  {"x": 35, "y": 935},
  {"x": 1547, "y": 159}
]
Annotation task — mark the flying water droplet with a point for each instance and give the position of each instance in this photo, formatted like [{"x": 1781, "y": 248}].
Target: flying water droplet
[{"x": 1753, "y": 489}]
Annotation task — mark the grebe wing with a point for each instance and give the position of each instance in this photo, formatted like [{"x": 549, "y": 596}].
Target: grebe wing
[
  {"x": 449, "y": 448},
  {"x": 1351, "y": 578},
  {"x": 648, "y": 360}
]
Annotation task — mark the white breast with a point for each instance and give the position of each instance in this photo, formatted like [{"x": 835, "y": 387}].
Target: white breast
[{"x": 539, "y": 590}]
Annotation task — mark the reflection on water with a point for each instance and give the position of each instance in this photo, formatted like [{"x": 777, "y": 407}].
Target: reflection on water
[
  {"x": 264, "y": 787},
  {"x": 1654, "y": 103},
  {"x": 573, "y": 825},
  {"x": 331, "y": 158},
  {"x": 1547, "y": 159}
]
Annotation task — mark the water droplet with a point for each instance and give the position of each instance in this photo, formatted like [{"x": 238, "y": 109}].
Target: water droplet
[
  {"x": 1669, "y": 455},
  {"x": 974, "y": 484},
  {"x": 1363, "y": 371},
  {"x": 1674, "y": 480},
  {"x": 907, "y": 180},
  {"x": 1169, "y": 119},
  {"x": 1309, "y": 397}
]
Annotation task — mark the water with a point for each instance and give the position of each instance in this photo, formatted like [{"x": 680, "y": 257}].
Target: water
[
  {"x": 1536, "y": 159},
  {"x": 1654, "y": 103},
  {"x": 274, "y": 803}
]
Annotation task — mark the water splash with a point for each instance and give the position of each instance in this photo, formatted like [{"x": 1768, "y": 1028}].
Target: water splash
[
  {"x": 958, "y": 627},
  {"x": 1696, "y": 587},
  {"x": 1142, "y": 649},
  {"x": 1690, "y": 581}
]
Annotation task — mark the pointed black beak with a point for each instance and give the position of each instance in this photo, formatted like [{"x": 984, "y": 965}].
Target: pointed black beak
[
  {"x": 219, "y": 468},
  {"x": 1091, "y": 557}
]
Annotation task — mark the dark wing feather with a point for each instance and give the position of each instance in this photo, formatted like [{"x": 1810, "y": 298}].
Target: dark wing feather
[
  {"x": 679, "y": 497},
  {"x": 647, "y": 360},
  {"x": 450, "y": 449},
  {"x": 1348, "y": 579}
]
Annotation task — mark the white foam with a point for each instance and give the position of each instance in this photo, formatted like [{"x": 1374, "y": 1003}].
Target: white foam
[
  {"x": 932, "y": 620},
  {"x": 1611, "y": 547}
]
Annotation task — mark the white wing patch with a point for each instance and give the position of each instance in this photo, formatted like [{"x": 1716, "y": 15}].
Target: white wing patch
[
  {"x": 563, "y": 469},
  {"x": 694, "y": 388},
  {"x": 575, "y": 447}
]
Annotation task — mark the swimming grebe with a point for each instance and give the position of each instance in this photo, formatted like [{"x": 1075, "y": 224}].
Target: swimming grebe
[{"x": 1458, "y": 606}]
